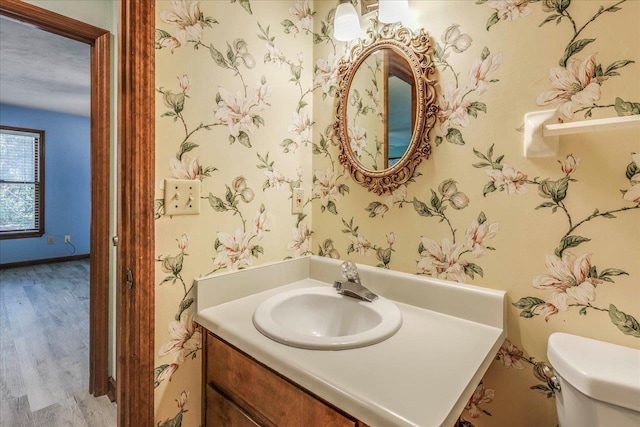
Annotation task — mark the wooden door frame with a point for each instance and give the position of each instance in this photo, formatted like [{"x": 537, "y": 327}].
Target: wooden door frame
[
  {"x": 99, "y": 40},
  {"x": 136, "y": 156}
]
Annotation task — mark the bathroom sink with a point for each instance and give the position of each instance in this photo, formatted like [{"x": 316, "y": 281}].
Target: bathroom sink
[{"x": 319, "y": 318}]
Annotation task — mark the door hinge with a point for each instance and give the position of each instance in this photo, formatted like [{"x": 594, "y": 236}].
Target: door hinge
[
  {"x": 114, "y": 240},
  {"x": 129, "y": 278}
]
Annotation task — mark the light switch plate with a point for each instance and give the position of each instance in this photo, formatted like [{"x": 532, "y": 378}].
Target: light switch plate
[
  {"x": 297, "y": 201},
  {"x": 181, "y": 196}
]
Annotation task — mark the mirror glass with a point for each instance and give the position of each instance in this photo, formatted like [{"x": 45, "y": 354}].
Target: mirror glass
[{"x": 381, "y": 109}]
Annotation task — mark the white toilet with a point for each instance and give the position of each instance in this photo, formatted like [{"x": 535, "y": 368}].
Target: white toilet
[{"x": 600, "y": 382}]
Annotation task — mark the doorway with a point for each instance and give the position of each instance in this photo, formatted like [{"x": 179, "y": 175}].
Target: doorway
[{"x": 99, "y": 41}]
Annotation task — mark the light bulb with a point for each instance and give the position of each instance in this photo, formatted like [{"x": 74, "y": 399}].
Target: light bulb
[
  {"x": 346, "y": 24},
  {"x": 390, "y": 11}
]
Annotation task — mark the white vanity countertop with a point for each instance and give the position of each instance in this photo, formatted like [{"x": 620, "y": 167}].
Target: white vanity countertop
[{"x": 421, "y": 376}]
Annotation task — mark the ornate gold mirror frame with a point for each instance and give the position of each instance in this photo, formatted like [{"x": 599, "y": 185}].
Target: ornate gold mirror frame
[{"x": 415, "y": 48}]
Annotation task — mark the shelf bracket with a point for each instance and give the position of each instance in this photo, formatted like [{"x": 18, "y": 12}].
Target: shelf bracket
[{"x": 543, "y": 128}]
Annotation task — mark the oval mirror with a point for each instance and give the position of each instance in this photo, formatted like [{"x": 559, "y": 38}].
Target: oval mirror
[{"x": 386, "y": 106}]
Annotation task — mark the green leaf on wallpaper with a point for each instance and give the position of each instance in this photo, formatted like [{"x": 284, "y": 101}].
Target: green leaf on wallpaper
[
  {"x": 479, "y": 154},
  {"x": 231, "y": 56},
  {"x": 421, "y": 208},
  {"x": 561, "y": 5},
  {"x": 612, "y": 272},
  {"x": 550, "y": 18},
  {"x": 217, "y": 56},
  {"x": 184, "y": 304},
  {"x": 438, "y": 52},
  {"x": 476, "y": 106},
  {"x": 156, "y": 374},
  {"x": 246, "y": 4},
  {"x": 489, "y": 187},
  {"x": 296, "y": 71},
  {"x": 485, "y": 53},
  {"x": 243, "y": 139},
  {"x": 614, "y": 9},
  {"x": 558, "y": 189},
  {"x": 216, "y": 203},
  {"x": 185, "y": 147},
  {"x": 438, "y": 140},
  {"x": 331, "y": 207},
  {"x": 632, "y": 169},
  {"x": 569, "y": 242},
  {"x": 526, "y": 304},
  {"x": 158, "y": 208},
  {"x": 229, "y": 196},
  {"x": 301, "y": 105},
  {"x": 257, "y": 250},
  {"x": 540, "y": 387},
  {"x": 482, "y": 218},
  {"x": 493, "y": 20},
  {"x": 617, "y": 65},
  {"x": 574, "y": 48},
  {"x": 626, "y": 323},
  {"x": 343, "y": 189},
  {"x": 481, "y": 1},
  {"x": 436, "y": 203},
  {"x": 287, "y": 24},
  {"x": 173, "y": 422},
  {"x": 258, "y": 121},
  {"x": 168, "y": 279},
  {"x": 624, "y": 108},
  {"x": 454, "y": 136},
  {"x": 372, "y": 209},
  {"x": 545, "y": 205},
  {"x": 472, "y": 269}
]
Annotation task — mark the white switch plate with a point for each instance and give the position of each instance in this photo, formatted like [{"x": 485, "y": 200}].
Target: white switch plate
[
  {"x": 297, "y": 201},
  {"x": 181, "y": 196}
]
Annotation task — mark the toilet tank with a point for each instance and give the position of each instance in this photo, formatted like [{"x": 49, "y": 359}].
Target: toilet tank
[{"x": 600, "y": 382}]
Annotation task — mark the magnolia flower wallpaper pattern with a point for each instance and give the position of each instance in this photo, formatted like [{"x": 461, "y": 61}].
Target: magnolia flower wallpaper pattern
[{"x": 245, "y": 104}]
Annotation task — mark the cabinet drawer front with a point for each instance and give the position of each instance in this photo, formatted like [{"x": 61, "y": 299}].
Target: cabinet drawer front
[
  {"x": 222, "y": 412},
  {"x": 265, "y": 396}
]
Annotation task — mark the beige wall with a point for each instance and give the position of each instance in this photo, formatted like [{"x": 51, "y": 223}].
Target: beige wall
[{"x": 449, "y": 223}]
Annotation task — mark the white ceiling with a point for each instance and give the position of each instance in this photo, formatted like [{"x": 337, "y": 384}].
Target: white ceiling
[{"x": 42, "y": 70}]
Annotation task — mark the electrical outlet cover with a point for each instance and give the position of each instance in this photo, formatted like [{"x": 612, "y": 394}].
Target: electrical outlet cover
[{"x": 181, "y": 196}]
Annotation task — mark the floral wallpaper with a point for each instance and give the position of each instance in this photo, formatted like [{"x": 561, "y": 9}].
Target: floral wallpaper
[
  {"x": 245, "y": 102},
  {"x": 365, "y": 114}
]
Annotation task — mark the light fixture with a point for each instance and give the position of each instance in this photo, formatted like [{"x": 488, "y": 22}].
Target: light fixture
[
  {"x": 390, "y": 11},
  {"x": 346, "y": 23}
]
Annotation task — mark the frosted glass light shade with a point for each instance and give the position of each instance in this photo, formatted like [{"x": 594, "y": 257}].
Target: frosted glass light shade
[
  {"x": 390, "y": 11},
  {"x": 346, "y": 24}
]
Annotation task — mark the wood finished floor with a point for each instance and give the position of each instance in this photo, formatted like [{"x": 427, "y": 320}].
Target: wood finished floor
[{"x": 44, "y": 348}]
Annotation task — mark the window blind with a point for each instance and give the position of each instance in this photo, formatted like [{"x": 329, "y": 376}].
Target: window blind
[{"x": 21, "y": 186}]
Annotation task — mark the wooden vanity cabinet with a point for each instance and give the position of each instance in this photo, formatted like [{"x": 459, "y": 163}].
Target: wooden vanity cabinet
[{"x": 239, "y": 391}]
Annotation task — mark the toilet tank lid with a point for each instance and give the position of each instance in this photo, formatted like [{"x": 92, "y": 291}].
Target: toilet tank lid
[{"x": 600, "y": 370}]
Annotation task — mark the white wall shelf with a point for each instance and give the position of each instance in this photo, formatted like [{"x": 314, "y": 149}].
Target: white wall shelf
[{"x": 542, "y": 130}]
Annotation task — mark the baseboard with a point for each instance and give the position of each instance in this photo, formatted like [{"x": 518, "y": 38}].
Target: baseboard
[
  {"x": 43, "y": 261},
  {"x": 111, "y": 389}
]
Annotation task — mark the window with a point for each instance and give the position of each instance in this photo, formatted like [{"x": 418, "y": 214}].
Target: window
[{"x": 21, "y": 183}]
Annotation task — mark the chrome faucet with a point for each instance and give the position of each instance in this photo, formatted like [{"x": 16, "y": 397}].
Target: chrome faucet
[{"x": 352, "y": 286}]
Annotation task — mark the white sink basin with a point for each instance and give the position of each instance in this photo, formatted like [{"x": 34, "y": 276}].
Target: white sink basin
[{"x": 321, "y": 319}]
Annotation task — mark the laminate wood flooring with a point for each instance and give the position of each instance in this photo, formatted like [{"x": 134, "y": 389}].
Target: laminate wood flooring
[{"x": 44, "y": 348}]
